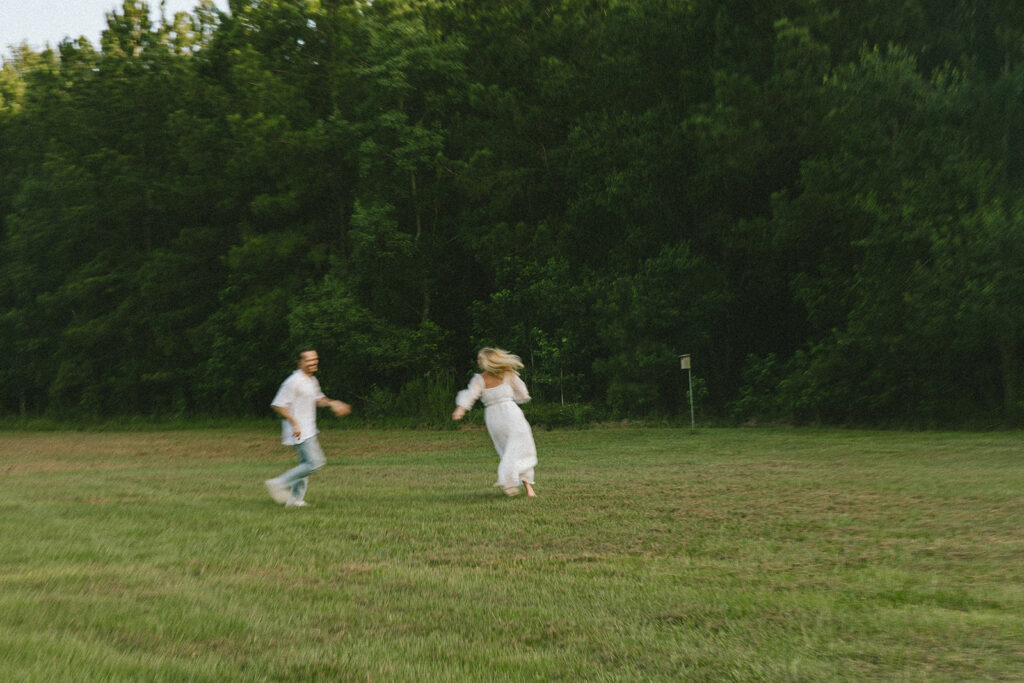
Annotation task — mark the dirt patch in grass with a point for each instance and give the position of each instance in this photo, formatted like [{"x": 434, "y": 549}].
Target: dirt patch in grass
[
  {"x": 76, "y": 451},
  {"x": 50, "y": 452}
]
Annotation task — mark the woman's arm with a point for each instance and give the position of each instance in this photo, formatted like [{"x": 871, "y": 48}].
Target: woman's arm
[
  {"x": 468, "y": 396},
  {"x": 520, "y": 394}
]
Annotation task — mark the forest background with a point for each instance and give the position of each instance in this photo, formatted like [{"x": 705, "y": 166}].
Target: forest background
[{"x": 820, "y": 201}]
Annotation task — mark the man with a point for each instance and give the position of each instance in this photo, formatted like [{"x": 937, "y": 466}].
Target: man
[{"x": 296, "y": 402}]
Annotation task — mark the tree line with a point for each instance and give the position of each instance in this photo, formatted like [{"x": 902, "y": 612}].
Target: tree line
[{"x": 820, "y": 201}]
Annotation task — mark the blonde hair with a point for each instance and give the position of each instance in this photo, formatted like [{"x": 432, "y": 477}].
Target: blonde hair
[{"x": 499, "y": 361}]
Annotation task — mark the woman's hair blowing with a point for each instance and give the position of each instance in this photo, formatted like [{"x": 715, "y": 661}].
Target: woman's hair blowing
[{"x": 499, "y": 361}]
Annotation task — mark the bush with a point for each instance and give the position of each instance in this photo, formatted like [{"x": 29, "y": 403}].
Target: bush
[{"x": 552, "y": 415}]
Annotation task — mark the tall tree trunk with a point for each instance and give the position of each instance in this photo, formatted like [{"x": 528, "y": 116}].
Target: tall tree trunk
[
  {"x": 425, "y": 311},
  {"x": 1008, "y": 371},
  {"x": 416, "y": 207}
]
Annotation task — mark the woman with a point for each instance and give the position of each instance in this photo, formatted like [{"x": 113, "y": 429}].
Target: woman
[{"x": 501, "y": 389}]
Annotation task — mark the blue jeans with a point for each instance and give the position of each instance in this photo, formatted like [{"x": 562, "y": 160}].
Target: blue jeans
[{"x": 311, "y": 458}]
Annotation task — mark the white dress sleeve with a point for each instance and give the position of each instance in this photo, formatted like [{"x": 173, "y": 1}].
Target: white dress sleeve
[
  {"x": 519, "y": 392},
  {"x": 468, "y": 396}
]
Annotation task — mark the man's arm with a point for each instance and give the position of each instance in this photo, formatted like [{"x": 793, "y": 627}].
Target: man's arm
[
  {"x": 339, "y": 408},
  {"x": 284, "y": 413}
]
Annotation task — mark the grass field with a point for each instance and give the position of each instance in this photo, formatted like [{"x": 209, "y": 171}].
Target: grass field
[{"x": 650, "y": 554}]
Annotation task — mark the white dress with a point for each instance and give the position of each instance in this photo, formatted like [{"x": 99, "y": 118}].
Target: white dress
[{"x": 509, "y": 430}]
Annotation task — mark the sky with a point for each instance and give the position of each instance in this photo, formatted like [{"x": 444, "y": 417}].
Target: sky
[{"x": 39, "y": 22}]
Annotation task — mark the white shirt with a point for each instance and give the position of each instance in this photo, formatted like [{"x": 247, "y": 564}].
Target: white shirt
[{"x": 298, "y": 394}]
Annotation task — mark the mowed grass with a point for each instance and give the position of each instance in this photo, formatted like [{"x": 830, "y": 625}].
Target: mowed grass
[{"x": 650, "y": 554}]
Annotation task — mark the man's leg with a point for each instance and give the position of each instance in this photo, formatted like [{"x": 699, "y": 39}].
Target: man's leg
[
  {"x": 299, "y": 490},
  {"x": 311, "y": 459}
]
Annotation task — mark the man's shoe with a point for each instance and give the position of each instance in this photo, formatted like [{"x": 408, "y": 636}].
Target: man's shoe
[
  {"x": 277, "y": 490},
  {"x": 296, "y": 503}
]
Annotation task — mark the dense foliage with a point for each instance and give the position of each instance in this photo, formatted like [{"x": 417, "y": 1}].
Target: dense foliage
[{"x": 820, "y": 201}]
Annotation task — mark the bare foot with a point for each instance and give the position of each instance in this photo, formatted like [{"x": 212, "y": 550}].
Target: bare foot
[{"x": 530, "y": 493}]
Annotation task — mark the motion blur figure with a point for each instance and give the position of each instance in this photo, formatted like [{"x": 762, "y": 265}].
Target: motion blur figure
[
  {"x": 502, "y": 392},
  {"x": 296, "y": 402}
]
